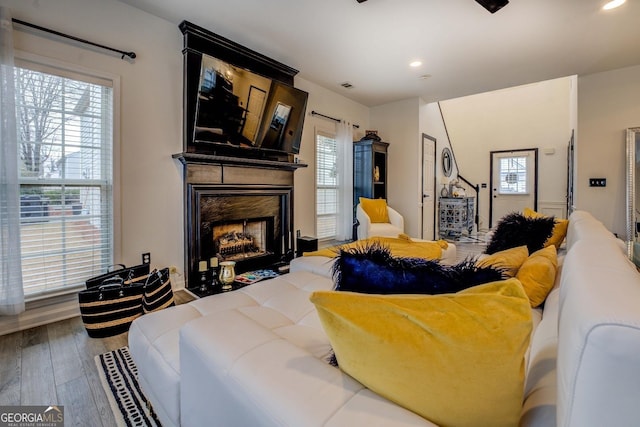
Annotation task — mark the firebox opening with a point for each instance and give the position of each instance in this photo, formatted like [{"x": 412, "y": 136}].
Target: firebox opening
[{"x": 238, "y": 240}]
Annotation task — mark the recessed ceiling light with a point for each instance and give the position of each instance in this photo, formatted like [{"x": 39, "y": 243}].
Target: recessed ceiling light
[
  {"x": 415, "y": 64},
  {"x": 613, "y": 4}
]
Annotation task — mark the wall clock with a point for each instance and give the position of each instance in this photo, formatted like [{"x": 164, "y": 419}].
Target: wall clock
[{"x": 447, "y": 161}]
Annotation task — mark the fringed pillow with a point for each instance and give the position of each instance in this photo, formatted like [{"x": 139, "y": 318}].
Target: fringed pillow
[
  {"x": 515, "y": 230},
  {"x": 372, "y": 269}
]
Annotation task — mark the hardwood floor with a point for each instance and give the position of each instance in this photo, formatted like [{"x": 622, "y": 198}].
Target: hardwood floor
[{"x": 54, "y": 365}]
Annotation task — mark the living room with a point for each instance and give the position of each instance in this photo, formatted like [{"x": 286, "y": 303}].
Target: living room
[{"x": 148, "y": 182}]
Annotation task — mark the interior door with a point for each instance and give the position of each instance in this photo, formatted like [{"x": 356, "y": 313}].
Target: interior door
[
  {"x": 514, "y": 182},
  {"x": 428, "y": 187}
]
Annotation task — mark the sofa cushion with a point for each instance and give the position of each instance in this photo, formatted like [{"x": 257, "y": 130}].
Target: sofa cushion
[
  {"x": 508, "y": 260},
  {"x": 372, "y": 269},
  {"x": 559, "y": 229},
  {"x": 515, "y": 230},
  {"x": 376, "y": 209},
  {"x": 538, "y": 274},
  {"x": 455, "y": 359},
  {"x": 598, "y": 336}
]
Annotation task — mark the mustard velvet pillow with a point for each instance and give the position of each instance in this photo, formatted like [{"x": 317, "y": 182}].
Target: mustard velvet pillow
[
  {"x": 538, "y": 274},
  {"x": 559, "y": 229},
  {"x": 508, "y": 260},
  {"x": 376, "y": 209},
  {"x": 454, "y": 359}
]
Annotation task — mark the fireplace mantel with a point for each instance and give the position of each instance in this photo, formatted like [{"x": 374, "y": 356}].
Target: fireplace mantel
[
  {"x": 187, "y": 158},
  {"x": 236, "y": 188}
]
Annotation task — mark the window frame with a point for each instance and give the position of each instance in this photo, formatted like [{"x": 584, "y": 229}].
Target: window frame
[{"x": 74, "y": 71}]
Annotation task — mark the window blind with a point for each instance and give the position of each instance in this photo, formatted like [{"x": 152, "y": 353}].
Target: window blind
[
  {"x": 326, "y": 186},
  {"x": 65, "y": 145}
]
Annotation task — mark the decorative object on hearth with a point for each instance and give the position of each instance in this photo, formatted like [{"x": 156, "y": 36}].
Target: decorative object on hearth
[
  {"x": 119, "y": 378},
  {"x": 202, "y": 269},
  {"x": 227, "y": 274}
]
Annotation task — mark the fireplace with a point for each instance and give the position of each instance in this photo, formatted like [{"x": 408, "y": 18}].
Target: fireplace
[{"x": 248, "y": 224}]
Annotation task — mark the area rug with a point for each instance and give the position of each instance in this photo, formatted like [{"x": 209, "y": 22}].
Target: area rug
[{"x": 119, "y": 377}]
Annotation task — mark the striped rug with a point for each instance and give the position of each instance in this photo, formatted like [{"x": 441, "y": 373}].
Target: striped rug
[{"x": 119, "y": 376}]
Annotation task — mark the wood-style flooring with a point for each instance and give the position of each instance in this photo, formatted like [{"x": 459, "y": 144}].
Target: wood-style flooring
[{"x": 54, "y": 365}]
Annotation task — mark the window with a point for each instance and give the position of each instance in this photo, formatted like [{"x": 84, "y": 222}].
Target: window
[
  {"x": 326, "y": 186},
  {"x": 65, "y": 137},
  {"x": 513, "y": 175}
]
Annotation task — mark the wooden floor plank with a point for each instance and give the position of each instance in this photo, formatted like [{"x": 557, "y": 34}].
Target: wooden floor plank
[
  {"x": 11, "y": 357},
  {"x": 37, "y": 381},
  {"x": 64, "y": 353},
  {"x": 79, "y": 406}
]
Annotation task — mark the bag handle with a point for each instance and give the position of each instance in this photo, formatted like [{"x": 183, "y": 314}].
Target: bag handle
[
  {"x": 110, "y": 268},
  {"x": 115, "y": 280}
]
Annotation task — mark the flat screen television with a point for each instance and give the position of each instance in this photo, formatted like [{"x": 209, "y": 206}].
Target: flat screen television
[{"x": 238, "y": 109}]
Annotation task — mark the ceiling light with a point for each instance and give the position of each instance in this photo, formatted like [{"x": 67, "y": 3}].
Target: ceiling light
[
  {"x": 415, "y": 64},
  {"x": 493, "y": 5},
  {"x": 613, "y": 4}
]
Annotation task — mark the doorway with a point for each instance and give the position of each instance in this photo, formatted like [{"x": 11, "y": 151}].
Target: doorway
[
  {"x": 513, "y": 182},
  {"x": 428, "y": 187}
]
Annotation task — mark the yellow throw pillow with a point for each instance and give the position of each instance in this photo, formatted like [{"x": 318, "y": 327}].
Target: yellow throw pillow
[
  {"x": 454, "y": 359},
  {"x": 508, "y": 260},
  {"x": 538, "y": 274},
  {"x": 559, "y": 229},
  {"x": 376, "y": 209}
]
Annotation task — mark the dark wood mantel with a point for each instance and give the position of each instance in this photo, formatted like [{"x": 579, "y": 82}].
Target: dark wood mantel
[{"x": 188, "y": 158}]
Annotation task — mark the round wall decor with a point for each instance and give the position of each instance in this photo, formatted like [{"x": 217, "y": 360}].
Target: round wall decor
[{"x": 447, "y": 161}]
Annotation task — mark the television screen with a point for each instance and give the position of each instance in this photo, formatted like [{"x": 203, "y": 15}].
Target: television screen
[{"x": 236, "y": 107}]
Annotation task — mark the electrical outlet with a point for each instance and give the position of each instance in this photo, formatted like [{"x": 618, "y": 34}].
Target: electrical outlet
[
  {"x": 146, "y": 258},
  {"x": 597, "y": 182}
]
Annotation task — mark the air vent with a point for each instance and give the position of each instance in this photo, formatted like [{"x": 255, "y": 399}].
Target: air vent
[{"x": 346, "y": 85}]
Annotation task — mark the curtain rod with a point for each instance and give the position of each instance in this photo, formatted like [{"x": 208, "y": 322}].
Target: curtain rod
[
  {"x": 315, "y": 113},
  {"x": 130, "y": 55}
]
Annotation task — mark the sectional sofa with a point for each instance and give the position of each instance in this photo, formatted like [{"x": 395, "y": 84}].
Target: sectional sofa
[{"x": 258, "y": 356}]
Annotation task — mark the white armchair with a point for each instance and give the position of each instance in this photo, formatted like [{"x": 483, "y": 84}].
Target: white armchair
[{"x": 368, "y": 229}]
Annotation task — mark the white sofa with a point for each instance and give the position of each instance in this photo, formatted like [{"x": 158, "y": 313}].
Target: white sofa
[
  {"x": 256, "y": 356},
  {"x": 367, "y": 229}
]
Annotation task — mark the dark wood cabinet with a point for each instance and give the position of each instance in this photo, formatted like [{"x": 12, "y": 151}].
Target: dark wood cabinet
[{"x": 369, "y": 170}]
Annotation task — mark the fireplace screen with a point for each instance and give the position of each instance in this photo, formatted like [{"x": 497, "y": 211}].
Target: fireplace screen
[{"x": 238, "y": 240}]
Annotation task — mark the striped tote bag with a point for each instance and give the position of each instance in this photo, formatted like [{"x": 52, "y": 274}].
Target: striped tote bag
[{"x": 157, "y": 291}]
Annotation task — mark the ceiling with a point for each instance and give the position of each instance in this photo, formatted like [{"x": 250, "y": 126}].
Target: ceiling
[{"x": 464, "y": 49}]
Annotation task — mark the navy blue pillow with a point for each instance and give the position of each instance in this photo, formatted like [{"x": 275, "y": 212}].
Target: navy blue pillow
[
  {"x": 515, "y": 230},
  {"x": 372, "y": 269}
]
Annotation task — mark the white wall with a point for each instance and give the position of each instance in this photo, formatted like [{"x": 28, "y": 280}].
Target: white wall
[
  {"x": 537, "y": 115},
  {"x": 608, "y": 103},
  {"x": 398, "y": 124},
  {"x": 331, "y": 104}
]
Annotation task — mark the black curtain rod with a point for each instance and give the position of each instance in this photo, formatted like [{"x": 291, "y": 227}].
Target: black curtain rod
[
  {"x": 130, "y": 55},
  {"x": 315, "y": 113}
]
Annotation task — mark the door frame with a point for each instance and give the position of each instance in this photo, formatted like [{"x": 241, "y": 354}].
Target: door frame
[
  {"x": 422, "y": 156},
  {"x": 535, "y": 178}
]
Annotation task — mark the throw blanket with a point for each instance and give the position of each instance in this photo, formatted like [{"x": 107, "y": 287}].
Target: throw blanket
[{"x": 401, "y": 246}]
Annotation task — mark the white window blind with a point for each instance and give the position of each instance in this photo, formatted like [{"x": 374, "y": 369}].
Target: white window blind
[
  {"x": 326, "y": 186},
  {"x": 513, "y": 175},
  {"x": 65, "y": 138}
]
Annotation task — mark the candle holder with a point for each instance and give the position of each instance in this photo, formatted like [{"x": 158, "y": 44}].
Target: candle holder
[
  {"x": 227, "y": 274},
  {"x": 202, "y": 269}
]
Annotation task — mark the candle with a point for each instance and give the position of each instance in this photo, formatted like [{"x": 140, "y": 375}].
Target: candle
[
  {"x": 213, "y": 262},
  {"x": 202, "y": 266}
]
